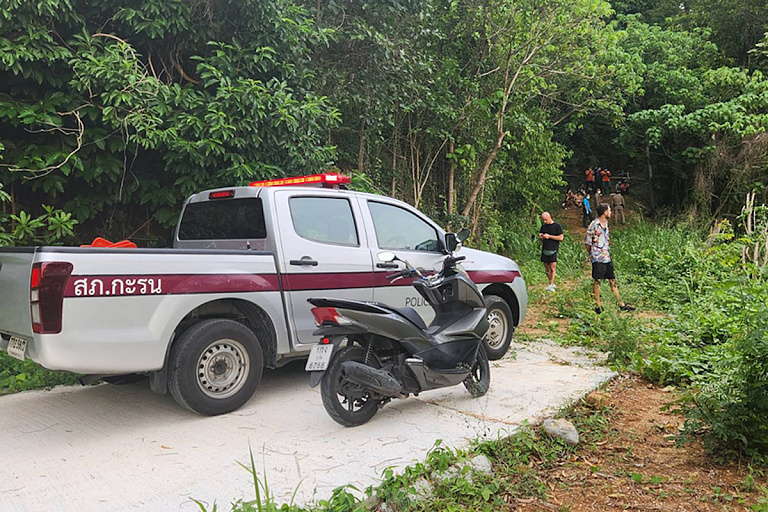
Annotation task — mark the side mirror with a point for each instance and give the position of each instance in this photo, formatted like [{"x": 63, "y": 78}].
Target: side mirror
[
  {"x": 386, "y": 256},
  {"x": 463, "y": 235},
  {"x": 451, "y": 242}
]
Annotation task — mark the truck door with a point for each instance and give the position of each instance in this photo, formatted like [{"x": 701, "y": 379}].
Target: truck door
[
  {"x": 324, "y": 253},
  {"x": 411, "y": 237}
]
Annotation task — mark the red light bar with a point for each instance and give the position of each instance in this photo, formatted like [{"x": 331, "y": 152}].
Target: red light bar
[
  {"x": 324, "y": 180},
  {"x": 223, "y": 194}
]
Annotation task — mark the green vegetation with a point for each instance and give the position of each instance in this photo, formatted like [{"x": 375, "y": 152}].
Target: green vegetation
[
  {"x": 22, "y": 376},
  {"x": 472, "y": 110},
  {"x": 711, "y": 334}
]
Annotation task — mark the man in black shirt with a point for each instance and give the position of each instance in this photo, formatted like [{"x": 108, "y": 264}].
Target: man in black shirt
[{"x": 550, "y": 234}]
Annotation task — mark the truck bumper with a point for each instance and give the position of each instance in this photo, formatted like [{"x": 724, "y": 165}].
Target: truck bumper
[{"x": 521, "y": 292}]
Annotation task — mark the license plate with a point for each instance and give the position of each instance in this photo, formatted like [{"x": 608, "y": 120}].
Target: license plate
[
  {"x": 17, "y": 348},
  {"x": 319, "y": 358}
]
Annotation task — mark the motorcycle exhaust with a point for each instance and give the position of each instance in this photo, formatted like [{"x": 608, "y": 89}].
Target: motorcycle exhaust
[{"x": 379, "y": 381}]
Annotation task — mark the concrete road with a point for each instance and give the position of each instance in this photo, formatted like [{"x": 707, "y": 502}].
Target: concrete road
[{"x": 124, "y": 448}]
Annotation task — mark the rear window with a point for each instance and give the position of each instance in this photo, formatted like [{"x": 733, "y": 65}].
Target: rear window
[{"x": 224, "y": 219}]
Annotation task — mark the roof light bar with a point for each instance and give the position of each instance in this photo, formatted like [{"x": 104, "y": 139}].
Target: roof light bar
[{"x": 323, "y": 180}]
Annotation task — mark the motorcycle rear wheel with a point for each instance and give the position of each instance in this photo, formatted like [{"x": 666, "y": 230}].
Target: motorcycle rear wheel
[
  {"x": 479, "y": 379},
  {"x": 345, "y": 402}
]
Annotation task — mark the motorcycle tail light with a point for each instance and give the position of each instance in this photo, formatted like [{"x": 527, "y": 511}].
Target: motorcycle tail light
[{"x": 326, "y": 315}]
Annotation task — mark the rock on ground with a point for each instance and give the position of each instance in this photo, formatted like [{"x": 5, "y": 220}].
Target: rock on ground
[{"x": 561, "y": 429}]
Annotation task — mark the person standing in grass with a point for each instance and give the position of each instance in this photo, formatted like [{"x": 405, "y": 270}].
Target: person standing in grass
[
  {"x": 586, "y": 211},
  {"x": 589, "y": 183},
  {"x": 598, "y": 244},
  {"x": 617, "y": 205},
  {"x": 605, "y": 178},
  {"x": 550, "y": 234}
]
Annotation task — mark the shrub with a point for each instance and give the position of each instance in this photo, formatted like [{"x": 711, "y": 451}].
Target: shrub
[{"x": 731, "y": 406}]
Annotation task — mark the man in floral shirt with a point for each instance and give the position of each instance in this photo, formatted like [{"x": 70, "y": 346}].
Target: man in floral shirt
[{"x": 598, "y": 244}]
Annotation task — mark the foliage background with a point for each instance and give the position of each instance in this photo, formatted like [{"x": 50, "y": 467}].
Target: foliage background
[{"x": 473, "y": 110}]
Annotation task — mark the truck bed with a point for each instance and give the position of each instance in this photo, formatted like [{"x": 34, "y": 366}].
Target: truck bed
[{"x": 121, "y": 306}]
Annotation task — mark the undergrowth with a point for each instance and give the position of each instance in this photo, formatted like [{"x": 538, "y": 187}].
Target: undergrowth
[
  {"x": 16, "y": 375},
  {"x": 703, "y": 326}
]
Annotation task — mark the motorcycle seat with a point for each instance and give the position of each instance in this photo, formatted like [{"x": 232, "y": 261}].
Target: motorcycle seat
[{"x": 411, "y": 315}]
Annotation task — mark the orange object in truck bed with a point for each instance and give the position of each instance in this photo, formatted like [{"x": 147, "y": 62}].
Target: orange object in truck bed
[{"x": 103, "y": 242}]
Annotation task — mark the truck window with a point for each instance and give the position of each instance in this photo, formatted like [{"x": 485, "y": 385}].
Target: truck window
[
  {"x": 397, "y": 228},
  {"x": 326, "y": 220},
  {"x": 224, "y": 219}
]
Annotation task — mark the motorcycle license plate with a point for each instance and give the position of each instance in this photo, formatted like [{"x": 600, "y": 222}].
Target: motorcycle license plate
[
  {"x": 17, "y": 348},
  {"x": 319, "y": 358}
]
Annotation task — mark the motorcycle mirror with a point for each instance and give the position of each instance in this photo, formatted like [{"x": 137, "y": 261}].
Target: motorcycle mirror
[
  {"x": 451, "y": 242},
  {"x": 463, "y": 234},
  {"x": 387, "y": 256}
]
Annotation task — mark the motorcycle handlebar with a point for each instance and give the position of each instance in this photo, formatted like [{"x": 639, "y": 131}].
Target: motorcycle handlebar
[
  {"x": 396, "y": 275},
  {"x": 452, "y": 260},
  {"x": 411, "y": 272}
]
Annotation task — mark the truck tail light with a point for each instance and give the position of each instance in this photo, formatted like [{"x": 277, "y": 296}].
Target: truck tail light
[
  {"x": 46, "y": 293},
  {"x": 222, "y": 194},
  {"x": 329, "y": 316}
]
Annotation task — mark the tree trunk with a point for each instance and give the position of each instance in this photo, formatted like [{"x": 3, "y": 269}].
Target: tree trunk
[
  {"x": 650, "y": 175},
  {"x": 394, "y": 166},
  {"x": 476, "y": 213},
  {"x": 361, "y": 146},
  {"x": 13, "y": 206},
  {"x": 451, "y": 175},
  {"x": 483, "y": 174},
  {"x": 394, "y": 155}
]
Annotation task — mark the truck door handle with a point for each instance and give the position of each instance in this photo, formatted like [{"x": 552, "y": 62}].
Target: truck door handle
[
  {"x": 387, "y": 265},
  {"x": 301, "y": 263}
]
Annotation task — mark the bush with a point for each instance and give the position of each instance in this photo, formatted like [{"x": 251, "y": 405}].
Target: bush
[
  {"x": 713, "y": 338},
  {"x": 731, "y": 406},
  {"x": 22, "y": 376}
]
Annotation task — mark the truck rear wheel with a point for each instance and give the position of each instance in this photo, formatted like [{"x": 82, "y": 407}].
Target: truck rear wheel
[{"x": 215, "y": 367}]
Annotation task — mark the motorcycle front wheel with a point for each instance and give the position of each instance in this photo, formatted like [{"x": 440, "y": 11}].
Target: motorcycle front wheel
[
  {"x": 347, "y": 403},
  {"x": 479, "y": 379}
]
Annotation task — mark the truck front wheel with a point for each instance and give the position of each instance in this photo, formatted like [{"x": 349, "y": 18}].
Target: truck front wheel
[
  {"x": 502, "y": 325},
  {"x": 215, "y": 367}
]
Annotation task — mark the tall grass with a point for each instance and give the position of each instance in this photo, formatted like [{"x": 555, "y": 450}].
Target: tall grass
[{"x": 712, "y": 338}]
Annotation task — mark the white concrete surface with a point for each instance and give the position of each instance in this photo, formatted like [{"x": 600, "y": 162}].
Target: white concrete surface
[{"x": 124, "y": 448}]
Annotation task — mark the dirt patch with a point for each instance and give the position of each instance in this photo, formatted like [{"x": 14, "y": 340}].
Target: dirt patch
[
  {"x": 637, "y": 465},
  {"x": 541, "y": 321}
]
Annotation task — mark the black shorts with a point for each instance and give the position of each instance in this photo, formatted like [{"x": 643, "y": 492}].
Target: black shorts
[
  {"x": 549, "y": 259},
  {"x": 603, "y": 271}
]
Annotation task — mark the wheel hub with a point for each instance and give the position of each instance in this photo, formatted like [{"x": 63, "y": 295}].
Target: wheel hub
[
  {"x": 497, "y": 330},
  {"x": 222, "y": 369}
]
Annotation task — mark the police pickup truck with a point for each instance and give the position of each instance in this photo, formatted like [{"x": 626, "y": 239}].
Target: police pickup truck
[{"x": 205, "y": 317}]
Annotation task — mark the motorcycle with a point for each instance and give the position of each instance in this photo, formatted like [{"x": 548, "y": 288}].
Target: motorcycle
[{"x": 390, "y": 352}]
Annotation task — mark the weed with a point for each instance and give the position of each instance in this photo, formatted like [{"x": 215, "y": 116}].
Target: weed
[
  {"x": 341, "y": 499},
  {"x": 16, "y": 375},
  {"x": 761, "y": 505}
]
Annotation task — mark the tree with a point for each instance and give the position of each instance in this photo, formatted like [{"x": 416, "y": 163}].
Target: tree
[{"x": 117, "y": 113}]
